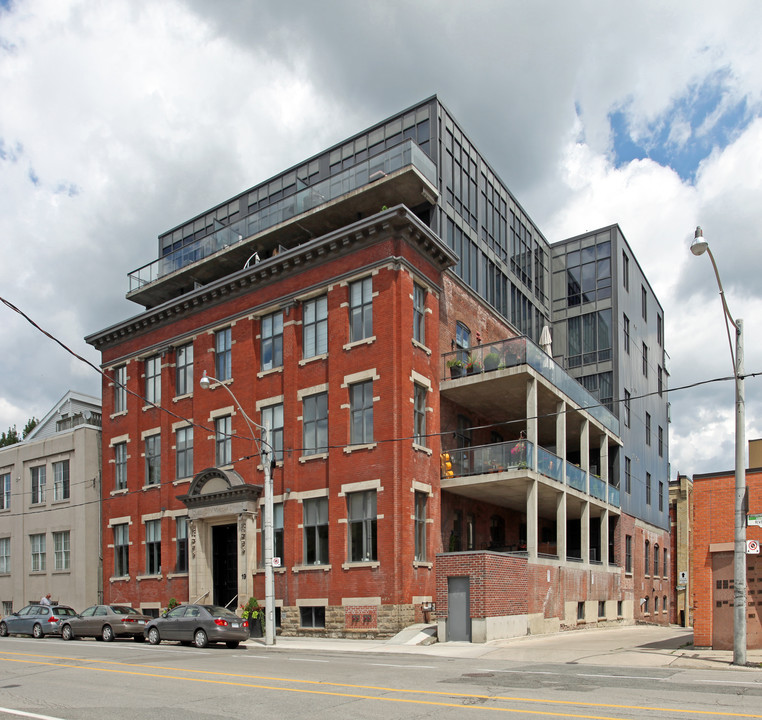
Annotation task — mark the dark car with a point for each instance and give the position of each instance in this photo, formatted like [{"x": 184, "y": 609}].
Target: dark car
[
  {"x": 198, "y": 624},
  {"x": 106, "y": 622},
  {"x": 36, "y": 620}
]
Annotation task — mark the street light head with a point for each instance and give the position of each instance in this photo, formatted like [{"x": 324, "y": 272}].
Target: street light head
[
  {"x": 205, "y": 382},
  {"x": 699, "y": 245}
]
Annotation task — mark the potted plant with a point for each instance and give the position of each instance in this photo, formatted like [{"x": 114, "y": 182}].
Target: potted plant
[
  {"x": 253, "y": 614},
  {"x": 456, "y": 366},
  {"x": 491, "y": 361},
  {"x": 473, "y": 366}
]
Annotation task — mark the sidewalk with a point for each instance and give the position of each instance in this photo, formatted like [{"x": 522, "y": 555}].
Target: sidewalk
[{"x": 631, "y": 646}]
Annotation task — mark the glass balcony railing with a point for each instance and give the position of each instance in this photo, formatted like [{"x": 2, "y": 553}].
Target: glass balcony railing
[
  {"x": 403, "y": 155},
  {"x": 614, "y": 496},
  {"x": 598, "y": 488},
  {"x": 575, "y": 477},
  {"x": 520, "y": 351},
  {"x": 549, "y": 464}
]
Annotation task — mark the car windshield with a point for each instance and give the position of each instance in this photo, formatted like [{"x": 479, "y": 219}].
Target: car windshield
[
  {"x": 63, "y": 611},
  {"x": 124, "y": 610},
  {"x": 219, "y": 611}
]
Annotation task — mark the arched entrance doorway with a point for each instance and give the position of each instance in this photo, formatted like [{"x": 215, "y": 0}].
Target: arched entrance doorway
[{"x": 222, "y": 509}]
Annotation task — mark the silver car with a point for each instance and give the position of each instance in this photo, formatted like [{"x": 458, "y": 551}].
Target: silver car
[
  {"x": 106, "y": 622},
  {"x": 198, "y": 624},
  {"x": 36, "y": 620}
]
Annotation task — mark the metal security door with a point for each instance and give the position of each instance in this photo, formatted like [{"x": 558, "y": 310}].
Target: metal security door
[
  {"x": 722, "y": 601},
  {"x": 458, "y": 609}
]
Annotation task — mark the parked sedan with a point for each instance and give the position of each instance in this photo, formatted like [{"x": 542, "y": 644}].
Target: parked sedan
[
  {"x": 198, "y": 624},
  {"x": 106, "y": 622},
  {"x": 36, "y": 620}
]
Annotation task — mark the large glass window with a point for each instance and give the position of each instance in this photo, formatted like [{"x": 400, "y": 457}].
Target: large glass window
[
  {"x": 181, "y": 538},
  {"x": 153, "y": 379},
  {"x": 315, "y": 511},
  {"x": 120, "y": 466},
  {"x": 361, "y": 412},
  {"x": 315, "y": 327},
  {"x": 361, "y": 309},
  {"x": 153, "y": 459},
  {"x": 38, "y": 485},
  {"x": 37, "y": 543},
  {"x": 223, "y": 368},
  {"x": 628, "y": 553},
  {"x": 184, "y": 452},
  {"x": 61, "y": 487},
  {"x": 223, "y": 431},
  {"x": 419, "y": 414},
  {"x": 588, "y": 274},
  {"x": 589, "y": 338},
  {"x": 61, "y": 549},
  {"x": 121, "y": 550},
  {"x": 272, "y": 340},
  {"x": 419, "y": 314},
  {"x": 600, "y": 386},
  {"x": 5, "y": 491},
  {"x": 272, "y": 418},
  {"x": 361, "y": 507},
  {"x": 315, "y": 424},
  {"x": 184, "y": 370},
  {"x": 120, "y": 389},
  {"x": 153, "y": 547},
  {"x": 5, "y": 556},
  {"x": 421, "y": 499}
]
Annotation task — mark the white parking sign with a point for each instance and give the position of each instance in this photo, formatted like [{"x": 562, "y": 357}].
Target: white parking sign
[{"x": 752, "y": 547}]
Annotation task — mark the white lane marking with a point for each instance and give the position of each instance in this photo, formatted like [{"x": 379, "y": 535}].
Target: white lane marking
[
  {"x": 628, "y": 677},
  {"x": 519, "y": 672},
  {"x": 425, "y": 667},
  {"x": 308, "y": 660},
  {"x": 727, "y": 682},
  {"x": 21, "y": 713}
]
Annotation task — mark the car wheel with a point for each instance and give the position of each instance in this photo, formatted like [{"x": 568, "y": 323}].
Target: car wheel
[
  {"x": 232, "y": 644},
  {"x": 200, "y": 639},
  {"x": 3, "y": 630},
  {"x": 139, "y": 638},
  {"x": 107, "y": 633},
  {"x": 153, "y": 636},
  {"x": 67, "y": 633},
  {"x": 37, "y": 631}
]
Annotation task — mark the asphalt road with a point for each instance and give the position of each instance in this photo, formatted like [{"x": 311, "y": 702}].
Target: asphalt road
[{"x": 88, "y": 680}]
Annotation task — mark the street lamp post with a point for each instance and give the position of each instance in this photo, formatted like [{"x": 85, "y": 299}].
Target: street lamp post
[
  {"x": 698, "y": 247},
  {"x": 206, "y": 382}
]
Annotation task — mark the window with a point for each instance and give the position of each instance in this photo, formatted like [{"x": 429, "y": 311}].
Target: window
[
  {"x": 61, "y": 550},
  {"x": 184, "y": 450},
  {"x": 656, "y": 559},
  {"x": 315, "y": 517},
  {"x": 153, "y": 379},
  {"x": 660, "y": 380},
  {"x": 222, "y": 358},
  {"x": 661, "y": 496},
  {"x": 361, "y": 309},
  {"x": 5, "y": 558},
  {"x": 153, "y": 460},
  {"x": 38, "y": 485},
  {"x": 121, "y": 550},
  {"x": 644, "y": 302},
  {"x": 659, "y": 330},
  {"x": 38, "y": 552},
  {"x": 646, "y": 609},
  {"x": 361, "y": 412},
  {"x": 601, "y": 608},
  {"x": 627, "y": 408},
  {"x": 312, "y": 617},
  {"x": 61, "y": 480},
  {"x": 315, "y": 327},
  {"x": 181, "y": 538},
  {"x": 361, "y": 508},
  {"x": 628, "y": 553},
  {"x": 153, "y": 547},
  {"x": 660, "y": 434},
  {"x": 120, "y": 466},
  {"x": 315, "y": 424},
  {"x": 5, "y": 491},
  {"x": 420, "y": 526},
  {"x": 626, "y": 330},
  {"x": 625, "y": 271},
  {"x": 272, "y": 419},
  {"x": 648, "y": 428},
  {"x": 647, "y": 558},
  {"x": 223, "y": 441},
  {"x": 588, "y": 274},
  {"x": 664, "y": 571},
  {"x": 656, "y": 601},
  {"x": 462, "y": 339},
  {"x": 278, "y": 547},
  {"x": 589, "y": 338},
  {"x": 184, "y": 370},
  {"x": 272, "y": 341},
  {"x": 419, "y": 314},
  {"x": 120, "y": 389},
  {"x": 648, "y": 488},
  {"x": 628, "y": 475},
  {"x": 419, "y": 414},
  {"x": 645, "y": 360},
  {"x": 580, "y": 610}
]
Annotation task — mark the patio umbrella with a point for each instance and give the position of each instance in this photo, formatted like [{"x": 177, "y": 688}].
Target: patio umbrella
[{"x": 545, "y": 341}]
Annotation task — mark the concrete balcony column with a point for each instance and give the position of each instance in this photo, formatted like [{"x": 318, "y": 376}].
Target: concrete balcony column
[
  {"x": 561, "y": 437},
  {"x": 532, "y": 421},
  {"x": 584, "y": 522},
  {"x": 605, "y": 537},
  {"x": 561, "y": 525},
  {"x": 604, "y": 448},
  {"x": 532, "y": 521},
  {"x": 584, "y": 451}
]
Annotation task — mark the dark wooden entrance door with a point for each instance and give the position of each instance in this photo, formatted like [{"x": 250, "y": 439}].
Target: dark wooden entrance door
[{"x": 225, "y": 565}]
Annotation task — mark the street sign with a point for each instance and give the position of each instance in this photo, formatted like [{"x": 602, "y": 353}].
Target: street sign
[
  {"x": 276, "y": 562},
  {"x": 754, "y": 520},
  {"x": 752, "y": 547},
  {"x": 682, "y": 578}
]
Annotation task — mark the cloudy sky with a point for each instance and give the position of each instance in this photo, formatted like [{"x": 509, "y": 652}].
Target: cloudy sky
[{"x": 120, "y": 119}]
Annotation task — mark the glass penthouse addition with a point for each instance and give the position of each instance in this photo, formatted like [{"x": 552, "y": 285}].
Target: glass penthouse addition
[{"x": 419, "y": 157}]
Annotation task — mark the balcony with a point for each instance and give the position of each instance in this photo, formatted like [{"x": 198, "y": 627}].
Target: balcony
[{"x": 401, "y": 175}]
